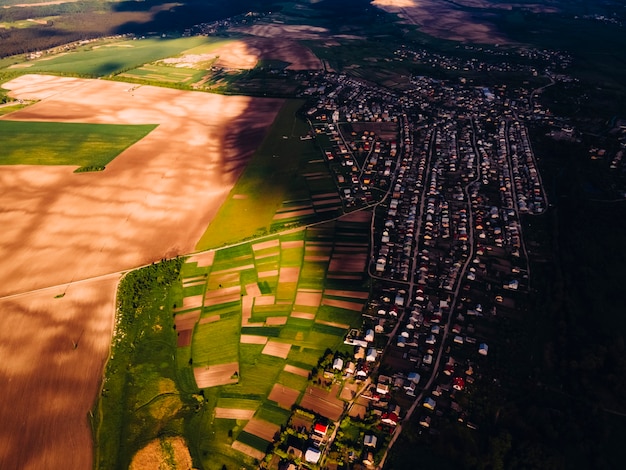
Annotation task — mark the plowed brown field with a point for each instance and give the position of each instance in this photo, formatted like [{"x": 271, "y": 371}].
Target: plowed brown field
[
  {"x": 53, "y": 351},
  {"x": 153, "y": 201}
]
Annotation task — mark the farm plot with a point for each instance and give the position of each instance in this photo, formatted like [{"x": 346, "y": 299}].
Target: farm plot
[
  {"x": 323, "y": 402},
  {"x": 216, "y": 342},
  {"x": 261, "y": 428},
  {"x": 60, "y": 227},
  {"x": 53, "y": 351},
  {"x": 266, "y": 182},
  {"x": 74, "y": 144},
  {"x": 213, "y": 376},
  {"x": 280, "y": 337},
  {"x": 164, "y": 74},
  {"x": 274, "y": 348},
  {"x": 112, "y": 58},
  {"x": 80, "y": 226}
]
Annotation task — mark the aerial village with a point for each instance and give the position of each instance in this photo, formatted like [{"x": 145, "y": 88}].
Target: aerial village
[{"x": 448, "y": 171}]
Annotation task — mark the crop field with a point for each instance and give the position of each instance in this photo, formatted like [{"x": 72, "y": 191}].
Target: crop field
[
  {"x": 59, "y": 227},
  {"x": 57, "y": 143},
  {"x": 216, "y": 342},
  {"x": 278, "y": 331},
  {"x": 164, "y": 74},
  {"x": 111, "y": 57},
  {"x": 29, "y": 23},
  {"x": 109, "y": 216},
  {"x": 274, "y": 172}
]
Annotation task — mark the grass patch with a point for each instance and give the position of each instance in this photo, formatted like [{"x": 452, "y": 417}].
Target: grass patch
[
  {"x": 339, "y": 315},
  {"x": 271, "y": 174},
  {"x": 253, "y": 441},
  {"x": 329, "y": 330},
  {"x": 238, "y": 403},
  {"x": 257, "y": 374},
  {"x": 192, "y": 270},
  {"x": 111, "y": 58},
  {"x": 9, "y": 109},
  {"x": 56, "y": 143},
  {"x": 304, "y": 357},
  {"x": 273, "y": 414},
  {"x": 294, "y": 381},
  {"x": 269, "y": 331},
  {"x": 216, "y": 342},
  {"x": 165, "y": 74},
  {"x": 264, "y": 287},
  {"x": 299, "y": 323},
  {"x": 142, "y": 372}
]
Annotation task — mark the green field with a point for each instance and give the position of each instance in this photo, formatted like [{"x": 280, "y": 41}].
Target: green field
[
  {"x": 217, "y": 342},
  {"x": 9, "y": 109},
  {"x": 54, "y": 143},
  {"x": 150, "y": 386},
  {"x": 164, "y": 74},
  {"x": 111, "y": 58},
  {"x": 142, "y": 384},
  {"x": 272, "y": 174}
]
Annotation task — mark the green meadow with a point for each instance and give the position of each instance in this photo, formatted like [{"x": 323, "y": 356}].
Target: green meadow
[
  {"x": 164, "y": 74},
  {"x": 273, "y": 175},
  {"x": 56, "y": 143},
  {"x": 113, "y": 57}
]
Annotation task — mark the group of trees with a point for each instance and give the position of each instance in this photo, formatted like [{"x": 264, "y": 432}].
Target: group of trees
[{"x": 84, "y": 19}]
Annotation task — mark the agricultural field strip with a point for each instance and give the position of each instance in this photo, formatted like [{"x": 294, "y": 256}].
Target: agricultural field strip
[
  {"x": 193, "y": 280},
  {"x": 264, "y": 300},
  {"x": 193, "y": 301},
  {"x": 335, "y": 324},
  {"x": 331, "y": 202},
  {"x": 322, "y": 402},
  {"x": 224, "y": 278},
  {"x": 309, "y": 298},
  {"x": 219, "y": 374},
  {"x": 268, "y": 244},
  {"x": 284, "y": 396},
  {"x": 186, "y": 321},
  {"x": 253, "y": 339},
  {"x": 210, "y": 319},
  {"x": 293, "y": 209},
  {"x": 347, "y": 293},
  {"x": 303, "y": 315},
  {"x": 233, "y": 413},
  {"x": 293, "y": 214},
  {"x": 292, "y": 244},
  {"x": 214, "y": 296},
  {"x": 261, "y": 428},
  {"x": 265, "y": 256},
  {"x": 311, "y": 258},
  {"x": 277, "y": 349},
  {"x": 202, "y": 260},
  {"x": 42, "y": 142},
  {"x": 345, "y": 277},
  {"x": 296, "y": 370},
  {"x": 357, "y": 307},
  {"x": 248, "y": 450},
  {"x": 184, "y": 338},
  {"x": 324, "y": 195},
  {"x": 288, "y": 274}
]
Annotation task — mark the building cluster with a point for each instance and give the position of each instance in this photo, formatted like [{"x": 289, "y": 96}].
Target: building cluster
[
  {"x": 496, "y": 59},
  {"x": 449, "y": 172}
]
